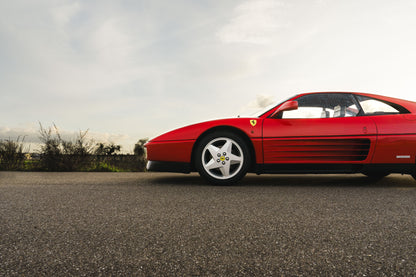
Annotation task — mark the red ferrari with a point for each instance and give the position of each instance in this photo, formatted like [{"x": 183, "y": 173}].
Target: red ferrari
[{"x": 320, "y": 132}]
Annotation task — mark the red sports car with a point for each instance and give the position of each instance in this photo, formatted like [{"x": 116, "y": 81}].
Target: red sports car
[{"x": 320, "y": 132}]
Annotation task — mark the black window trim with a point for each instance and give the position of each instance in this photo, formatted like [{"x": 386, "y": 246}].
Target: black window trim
[{"x": 399, "y": 108}]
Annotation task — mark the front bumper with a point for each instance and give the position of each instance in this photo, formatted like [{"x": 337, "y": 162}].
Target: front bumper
[{"x": 158, "y": 166}]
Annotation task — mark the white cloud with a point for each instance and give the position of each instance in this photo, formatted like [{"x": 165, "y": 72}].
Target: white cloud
[
  {"x": 261, "y": 101},
  {"x": 63, "y": 14},
  {"x": 255, "y": 21}
]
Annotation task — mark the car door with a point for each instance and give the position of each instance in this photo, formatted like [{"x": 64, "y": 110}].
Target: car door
[{"x": 325, "y": 128}]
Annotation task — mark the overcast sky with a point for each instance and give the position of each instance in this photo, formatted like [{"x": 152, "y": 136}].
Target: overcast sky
[{"x": 132, "y": 69}]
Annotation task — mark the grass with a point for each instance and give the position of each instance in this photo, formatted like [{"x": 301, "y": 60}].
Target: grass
[{"x": 104, "y": 167}]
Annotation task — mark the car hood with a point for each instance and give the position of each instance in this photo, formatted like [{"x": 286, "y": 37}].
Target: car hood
[{"x": 249, "y": 125}]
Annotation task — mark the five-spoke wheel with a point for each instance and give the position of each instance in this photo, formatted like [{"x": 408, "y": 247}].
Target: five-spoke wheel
[{"x": 222, "y": 158}]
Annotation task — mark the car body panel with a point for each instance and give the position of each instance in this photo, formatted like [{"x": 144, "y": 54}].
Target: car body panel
[
  {"x": 170, "y": 151},
  {"x": 395, "y": 149},
  {"x": 396, "y": 140}
]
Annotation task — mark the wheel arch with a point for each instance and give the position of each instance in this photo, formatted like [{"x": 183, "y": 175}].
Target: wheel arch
[{"x": 230, "y": 129}]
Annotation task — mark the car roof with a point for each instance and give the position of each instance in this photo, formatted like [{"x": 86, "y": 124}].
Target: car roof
[
  {"x": 409, "y": 105},
  {"x": 372, "y": 95}
]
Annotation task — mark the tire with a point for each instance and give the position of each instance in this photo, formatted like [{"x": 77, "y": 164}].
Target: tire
[{"x": 222, "y": 158}]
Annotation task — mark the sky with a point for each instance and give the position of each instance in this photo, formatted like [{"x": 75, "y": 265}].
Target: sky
[{"x": 130, "y": 69}]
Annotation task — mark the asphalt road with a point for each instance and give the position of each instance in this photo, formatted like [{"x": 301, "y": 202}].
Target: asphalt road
[{"x": 143, "y": 224}]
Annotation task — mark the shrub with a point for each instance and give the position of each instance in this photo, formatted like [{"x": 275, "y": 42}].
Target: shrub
[
  {"x": 80, "y": 154},
  {"x": 106, "y": 149},
  {"x": 11, "y": 154},
  {"x": 58, "y": 154},
  {"x": 140, "y": 151}
]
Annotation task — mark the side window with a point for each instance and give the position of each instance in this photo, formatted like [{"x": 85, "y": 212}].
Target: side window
[
  {"x": 324, "y": 105},
  {"x": 373, "y": 106}
]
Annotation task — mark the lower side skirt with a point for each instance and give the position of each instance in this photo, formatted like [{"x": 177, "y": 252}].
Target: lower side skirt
[
  {"x": 333, "y": 168},
  {"x": 180, "y": 167}
]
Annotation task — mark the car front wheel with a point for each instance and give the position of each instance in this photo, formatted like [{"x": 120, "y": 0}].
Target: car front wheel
[{"x": 222, "y": 158}]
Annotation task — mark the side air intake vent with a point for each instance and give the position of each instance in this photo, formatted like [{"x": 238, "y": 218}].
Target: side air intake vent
[{"x": 316, "y": 150}]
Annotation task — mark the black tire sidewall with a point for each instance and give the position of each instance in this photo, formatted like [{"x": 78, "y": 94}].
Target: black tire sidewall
[{"x": 198, "y": 158}]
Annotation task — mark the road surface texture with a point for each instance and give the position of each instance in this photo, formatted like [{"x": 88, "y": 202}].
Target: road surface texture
[{"x": 144, "y": 224}]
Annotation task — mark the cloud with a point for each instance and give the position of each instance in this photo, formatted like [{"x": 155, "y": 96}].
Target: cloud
[
  {"x": 261, "y": 101},
  {"x": 255, "y": 22},
  {"x": 17, "y": 134},
  {"x": 64, "y": 14}
]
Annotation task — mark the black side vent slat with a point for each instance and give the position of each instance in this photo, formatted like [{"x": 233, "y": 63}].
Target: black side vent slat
[{"x": 319, "y": 150}]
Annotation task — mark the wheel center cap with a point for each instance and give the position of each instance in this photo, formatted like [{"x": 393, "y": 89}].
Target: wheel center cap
[{"x": 222, "y": 158}]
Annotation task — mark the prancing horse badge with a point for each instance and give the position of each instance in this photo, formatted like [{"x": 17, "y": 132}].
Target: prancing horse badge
[{"x": 253, "y": 122}]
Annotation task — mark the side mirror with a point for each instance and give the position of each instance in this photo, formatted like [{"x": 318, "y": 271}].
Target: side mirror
[{"x": 287, "y": 106}]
